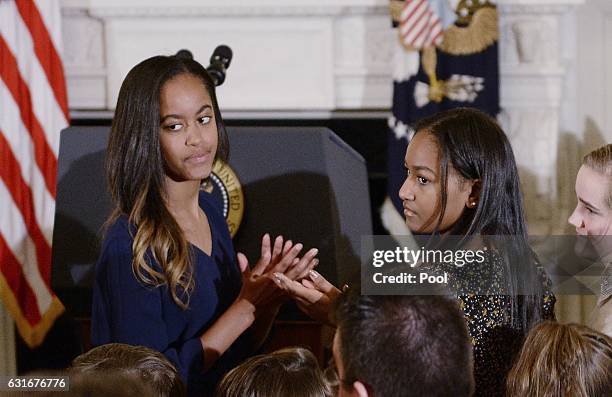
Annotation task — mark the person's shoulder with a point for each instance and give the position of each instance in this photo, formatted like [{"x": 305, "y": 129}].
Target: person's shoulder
[
  {"x": 211, "y": 207},
  {"x": 119, "y": 229},
  {"x": 214, "y": 212},
  {"x": 119, "y": 226},
  {"x": 118, "y": 238}
]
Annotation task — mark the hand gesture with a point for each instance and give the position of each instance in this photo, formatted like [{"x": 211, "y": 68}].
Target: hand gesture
[
  {"x": 283, "y": 258},
  {"x": 315, "y": 296},
  {"x": 257, "y": 285},
  {"x": 258, "y": 290}
]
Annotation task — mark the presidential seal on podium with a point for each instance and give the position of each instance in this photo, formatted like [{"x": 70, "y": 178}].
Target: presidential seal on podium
[{"x": 225, "y": 187}]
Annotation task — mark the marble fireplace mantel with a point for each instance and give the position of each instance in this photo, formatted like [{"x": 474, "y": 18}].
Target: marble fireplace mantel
[
  {"x": 314, "y": 57},
  {"x": 305, "y": 55}
]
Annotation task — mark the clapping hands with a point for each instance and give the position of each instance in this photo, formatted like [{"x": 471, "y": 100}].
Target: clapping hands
[
  {"x": 258, "y": 286},
  {"x": 315, "y": 296}
]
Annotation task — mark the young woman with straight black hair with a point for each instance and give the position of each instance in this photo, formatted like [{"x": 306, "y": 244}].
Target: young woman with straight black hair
[
  {"x": 462, "y": 189},
  {"x": 168, "y": 277}
]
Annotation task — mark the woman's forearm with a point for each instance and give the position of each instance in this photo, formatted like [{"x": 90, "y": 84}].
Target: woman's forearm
[
  {"x": 220, "y": 336},
  {"x": 262, "y": 325}
]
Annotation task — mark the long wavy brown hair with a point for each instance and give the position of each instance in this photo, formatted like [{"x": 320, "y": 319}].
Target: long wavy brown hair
[
  {"x": 562, "y": 360},
  {"x": 135, "y": 174}
]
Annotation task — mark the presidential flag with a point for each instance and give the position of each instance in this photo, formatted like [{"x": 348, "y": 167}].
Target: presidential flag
[
  {"x": 446, "y": 57},
  {"x": 33, "y": 111}
]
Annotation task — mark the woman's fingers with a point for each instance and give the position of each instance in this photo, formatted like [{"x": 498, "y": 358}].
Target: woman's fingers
[
  {"x": 266, "y": 256},
  {"x": 266, "y": 248},
  {"x": 287, "y": 246},
  {"x": 311, "y": 265},
  {"x": 322, "y": 284},
  {"x": 287, "y": 260},
  {"x": 300, "y": 269},
  {"x": 281, "y": 257},
  {"x": 296, "y": 289},
  {"x": 243, "y": 263},
  {"x": 308, "y": 284},
  {"x": 278, "y": 249}
]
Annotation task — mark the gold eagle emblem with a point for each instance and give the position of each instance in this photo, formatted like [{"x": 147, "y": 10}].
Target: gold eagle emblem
[{"x": 225, "y": 186}]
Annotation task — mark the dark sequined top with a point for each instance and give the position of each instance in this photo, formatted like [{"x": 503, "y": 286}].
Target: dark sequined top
[{"x": 481, "y": 288}]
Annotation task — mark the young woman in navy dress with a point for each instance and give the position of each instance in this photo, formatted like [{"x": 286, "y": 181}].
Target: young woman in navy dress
[{"x": 168, "y": 277}]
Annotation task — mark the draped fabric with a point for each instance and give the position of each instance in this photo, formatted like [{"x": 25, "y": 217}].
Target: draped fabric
[{"x": 33, "y": 111}]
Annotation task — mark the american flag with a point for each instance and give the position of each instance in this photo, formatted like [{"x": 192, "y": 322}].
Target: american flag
[
  {"x": 419, "y": 25},
  {"x": 33, "y": 111},
  {"x": 465, "y": 67}
]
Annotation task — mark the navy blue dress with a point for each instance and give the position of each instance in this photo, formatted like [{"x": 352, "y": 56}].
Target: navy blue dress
[{"x": 126, "y": 311}]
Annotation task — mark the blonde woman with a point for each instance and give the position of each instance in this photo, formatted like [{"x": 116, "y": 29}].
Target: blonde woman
[
  {"x": 593, "y": 219},
  {"x": 168, "y": 277},
  {"x": 562, "y": 360}
]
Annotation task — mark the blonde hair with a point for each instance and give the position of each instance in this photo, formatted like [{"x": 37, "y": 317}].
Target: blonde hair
[
  {"x": 600, "y": 160},
  {"x": 150, "y": 366},
  {"x": 87, "y": 384},
  {"x": 562, "y": 360},
  {"x": 286, "y": 372}
]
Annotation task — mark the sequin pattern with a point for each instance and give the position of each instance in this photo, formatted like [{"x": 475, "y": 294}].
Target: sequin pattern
[{"x": 488, "y": 314}]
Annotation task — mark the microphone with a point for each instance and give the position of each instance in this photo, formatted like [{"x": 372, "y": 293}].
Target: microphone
[{"x": 219, "y": 62}]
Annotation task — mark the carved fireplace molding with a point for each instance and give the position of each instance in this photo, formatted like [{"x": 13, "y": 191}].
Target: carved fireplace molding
[
  {"x": 291, "y": 54},
  {"x": 311, "y": 56}
]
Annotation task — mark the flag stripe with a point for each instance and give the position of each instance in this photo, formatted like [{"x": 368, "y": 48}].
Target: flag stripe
[
  {"x": 21, "y": 147},
  {"x": 44, "y": 156},
  {"x": 419, "y": 26},
  {"x": 24, "y": 248},
  {"x": 33, "y": 111},
  {"x": 439, "y": 35},
  {"x": 22, "y": 197},
  {"x": 45, "y": 51},
  {"x": 413, "y": 18},
  {"x": 416, "y": 25},
  {"x": 21, "y": 45},
  {"x": 11, "y": 270},
  {"x": 52, "y": 19},
  {"x": 409, "y": 7},
  {"x": 419, "y": 36},
  {"x": 423, "y": 36}
]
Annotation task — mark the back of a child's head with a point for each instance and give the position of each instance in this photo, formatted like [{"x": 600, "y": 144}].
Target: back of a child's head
[
  {"x": 149, "y": 365},
  {"x": 287, "y": 372},
  {"x": 404, "y": 345},
  {"x": 110, "y": 384},
  {"x": 115, "y": 383},
  {"x": 562, "y": 360}
]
